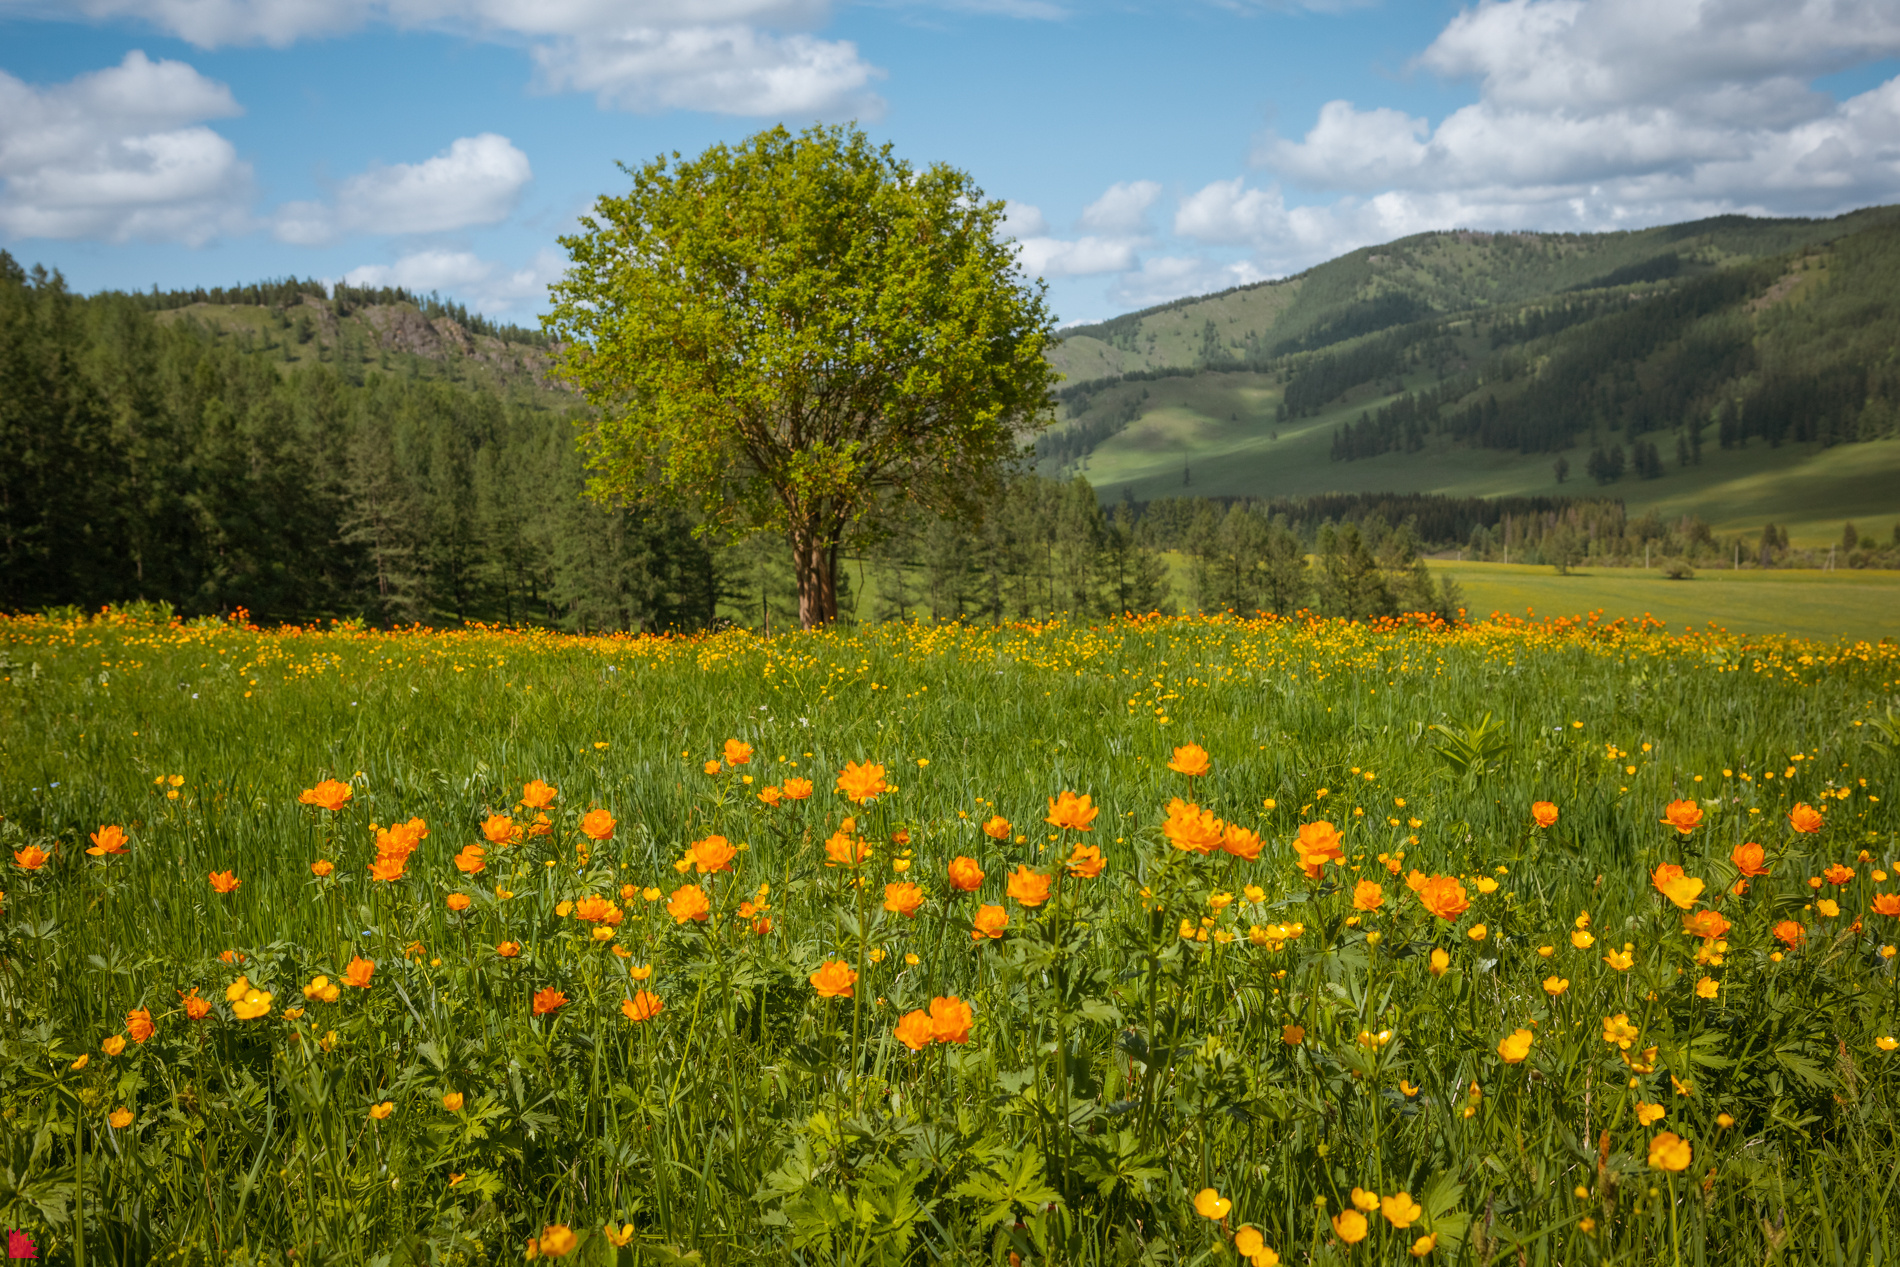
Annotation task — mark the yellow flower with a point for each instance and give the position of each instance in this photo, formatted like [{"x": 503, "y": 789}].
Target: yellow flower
[
  {"x": 383, "y": 1110},
  {"x": 557, "y": 1240},
  {"x": 452, "y": 1101},
  {"x": 1582, "y": 940},
  {"x": 1350, "y": 1225},
  {"x": 1477, "y": 932},
  {"x": 1424, "y": 1245},
  {"x": 1513, "y": 1049},
  {"x": 1887, "y": 1042},
  {"x": 1617, "y": 1029},
  {"x": 1400, "y": 1210},
  {"x": 1706, "y": 988},
  {"x": 1364, "y": 1201},
  {"x": 1668, "y": 1151},
  {"x": 120, "y": 1118},
  {"x": 1254, "y": 1248},
  {"x": 1440, "y": 962},
  {"x": 1620, "y": 959},
  {"x": 1649, "y": 1114},
  {"x": 113, "y": 1045},
  {"x": 1210, "y": 1204},
  {"x": 81, "y": 1063},
  {"x": 617, "y": 1239},
  {"x": 1554, "y": 986},
  {"x": 1486, "y": 884}
]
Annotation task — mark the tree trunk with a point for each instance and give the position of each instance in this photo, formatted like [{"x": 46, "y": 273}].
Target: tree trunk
[{"x": 815, "y": 560}]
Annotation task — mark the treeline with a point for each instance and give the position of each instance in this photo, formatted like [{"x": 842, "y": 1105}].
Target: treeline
[
  {"x": 287, "y": 292},
  {"x": 140, "y": 460}
]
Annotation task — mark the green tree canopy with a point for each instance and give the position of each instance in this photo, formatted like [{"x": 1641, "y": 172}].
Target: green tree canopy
[{"x": 802, "y": 334}]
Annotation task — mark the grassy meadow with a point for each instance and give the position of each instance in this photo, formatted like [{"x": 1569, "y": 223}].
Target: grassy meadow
[{"x": 1172, "y": 941}]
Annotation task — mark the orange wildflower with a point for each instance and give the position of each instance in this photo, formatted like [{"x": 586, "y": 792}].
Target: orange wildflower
[
  {"x": 224, "y": 881},
  {"x": 138, "y": 1024},
  {"x": 1708, "y": 925},
  {"x": 538, "y": 795},
  {"x": 470, "y": 860},
  {"x": 1748, "y": 859},
  {"x": 1367, "y": 896},
  {"x": 31, "y": 858},
  {"x": 597, "y": 824},
  {"x": 997, "y": 828},
  {"x": 1790, "y": 933},
  {"x": 548, "y": 999},
  {"x": 508, "y": 949},
  {"x": 1086, "y": 862},
  {"x": 843, "y": 849},
  {"x": 643, "y": 1006},
  {"x": 1805, "y": 818},
  {"x": 1317, "y": 844},
  {"x": 1028, "y": 887},
  {"x": 329, "y": 794},
  {"x": 1190, "y": 759},
  {"x": 833, "y": 980},
  {"x": 500, "y": 829},
  {"x": 713, "y": 854},
  {"x": 1444, "y": 897},
  {"x": 597, "y": 910},
  {"x": 322, "y": 867},
  {"x": 1837, "y": 875},
  {"x": 1077, "y": 813},
  {"x": 359, "y": 972},
  {"x": 1192, "y": 829},
  {"x": 1543, "y": 813},
  {"x": 797, "y": 789},
  {"x": 903, "y": 898},
  {"x": 689, "y": 902},
  {"x": 990, "y": 922},
  {"x": 772, "y": 794},
  {"x": 861, "y": 783},
  {"x": 1680, "y": 889},
  {"x": 107, "y": 840},
  {"x": 1241, "y": 842},
  {"x": 950, "y": 1020},
  {"x": 914, "y": 1030},
  {"x": 388, "y": 867},
  {"x": 458, "y": 901},
  {"x": 965, "y": 875},
  {"x": 195, "y": 1008},
  {"x": 1887, "y": 903},
  {"x": 1669, "y": 1151},
  {"x": 1684, "y": 816},
  {"x": 737, "y": 753}
]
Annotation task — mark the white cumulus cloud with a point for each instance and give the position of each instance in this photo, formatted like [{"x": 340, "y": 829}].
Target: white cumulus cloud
[
  {"x": 1123, "y": 208},
  {"x": 482, "y": 284},
  {"x": 724, "y": 69},
  {"x": 477, "y": 180},
  {"x": 120, "y": 153}
]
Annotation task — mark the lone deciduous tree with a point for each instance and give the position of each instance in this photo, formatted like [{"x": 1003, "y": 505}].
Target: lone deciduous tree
[{"x": 803, "y": 335}]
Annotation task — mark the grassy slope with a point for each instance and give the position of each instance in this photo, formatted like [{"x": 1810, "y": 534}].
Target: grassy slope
[{"x": 1814, "y": 604}]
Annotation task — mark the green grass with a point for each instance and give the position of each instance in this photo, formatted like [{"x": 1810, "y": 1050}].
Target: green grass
[
  {"x": 1118, "y": 1063},
  {"x": 1813, "y": 604}
]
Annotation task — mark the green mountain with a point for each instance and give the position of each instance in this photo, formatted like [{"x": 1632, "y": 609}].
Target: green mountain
[{"x": 1735, "y": 368}]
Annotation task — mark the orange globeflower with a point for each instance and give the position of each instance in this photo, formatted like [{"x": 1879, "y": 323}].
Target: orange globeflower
[
  {"x": 501, "y": 830},
  {"x": 797, "y": 789},
  {"x": 1708, "y": 925},
  {"x": 1086, "y": 862},
  {"x": 359, "y": 972},
  {"x": 1748, "y": 859},
  {"x": 322, "y": 867},
  {"x": 833, "y": 980},
  {"x": 997, "y": 828},
  {"x": 597, "y": 910},
  {"x": 1887, "y": 903},
  {"x": 1190, "y": 759},
  {"x": 965, "y": 875},
  {"x": 108, "y": 839},
  {"x": 1837, "y": 875},
  {"x": 1791, "y": 933},
  {"x": 1028, "y": 887},
  {"x": 538, "y": 795},
  {"x": 1192, "y": 829},
  {"x": 643, "y": 1006},
  {"x": 990, "y": 922},
  {"x": 1543, "y": 813},
  {"x": 195, "y": 1007},
  {"x": 399, "y": 840},
  {"x": 772, "y": 795},
  {"x": 1317, "y": 844},
  {"x": 329, "y": 794},
  {"x": 914, "y": 1031},
  {"x": 950, "y": 1020},
  {"x": 224, "y": 881},
  {"x": 1072, "y": 811},
  {"x": 713, "y": 854},
  {"x": 1684, "y": 816},
  {"x": 597, "y": 824},
  {"x": 32, "y": 858},
  {"x": 903, "y": 898},
  {"x": 1805, "y": 818},
  {"x": 388, "y": 867},
  {"x": 458, "y": 901},
  {"x": 1444, "y": 897},
  {"x": 470, "y": 860},
  {"x": 1673, "y": 884},
  {"x": 689, "y": 902},
  {"x": 548, "y": 999},
  {"x": 557, "y": 1240},
  {"x": 1367, "y": 896},
  {"x": 1241, "y": 842},
  {"x": 843, "y": 850},
  {"x": 861, "y": 783},
  {"x": 737, "y": 753},
  {"x": 138, "y": 1024}
]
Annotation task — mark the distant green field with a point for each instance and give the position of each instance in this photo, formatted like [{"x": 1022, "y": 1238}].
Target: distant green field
[
  {"x": 1851, "y": 604},
  {"x": 1214, "y": 435}
]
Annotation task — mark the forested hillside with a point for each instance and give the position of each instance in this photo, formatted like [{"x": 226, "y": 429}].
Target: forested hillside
[{"x": 1612, "y": 357}]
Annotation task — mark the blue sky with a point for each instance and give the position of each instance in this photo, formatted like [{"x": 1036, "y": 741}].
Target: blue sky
[{"x": 1147, "y": 150}]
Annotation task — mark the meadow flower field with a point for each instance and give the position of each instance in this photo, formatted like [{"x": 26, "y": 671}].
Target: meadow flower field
[{"x": 1163, "y": 941}]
